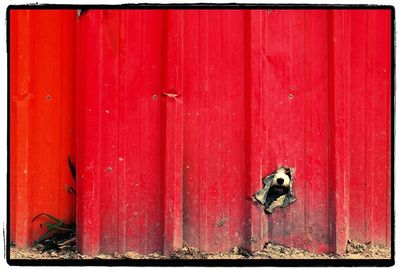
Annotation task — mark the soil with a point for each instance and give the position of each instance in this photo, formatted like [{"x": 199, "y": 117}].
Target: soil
[{"x": 355, "y": 250}]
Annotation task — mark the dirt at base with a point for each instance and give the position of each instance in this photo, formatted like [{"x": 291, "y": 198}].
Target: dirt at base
[{"x": 271, "y": 251}]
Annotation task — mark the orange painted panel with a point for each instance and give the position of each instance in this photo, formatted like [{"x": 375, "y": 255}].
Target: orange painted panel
[{"x": 42, "y": 78}]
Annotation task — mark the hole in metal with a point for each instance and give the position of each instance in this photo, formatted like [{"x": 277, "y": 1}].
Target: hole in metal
[{"x": 277, "y": 190}]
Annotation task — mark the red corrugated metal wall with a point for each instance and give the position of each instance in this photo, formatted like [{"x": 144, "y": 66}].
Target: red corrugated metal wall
[
  {"x": 42, "y": 80},
  {"x": 368, "y": 80},
  {"x": 181, "y": 113},
  {"x": 179, "y": 118}
]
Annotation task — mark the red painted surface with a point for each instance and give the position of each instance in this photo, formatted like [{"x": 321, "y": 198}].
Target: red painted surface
[
  {"x": 369, "y": 126},
  {"x": 42, "y": 64},
  {"x": 120, "y": 168},
  {"x": 181, "y": 114}
]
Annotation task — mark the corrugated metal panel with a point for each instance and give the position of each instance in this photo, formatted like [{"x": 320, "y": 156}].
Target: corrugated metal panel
[
  {"x": 42, "y": 61},
  {"x": 370, "y": 125},
  {"x": 181, "y": 113}
]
